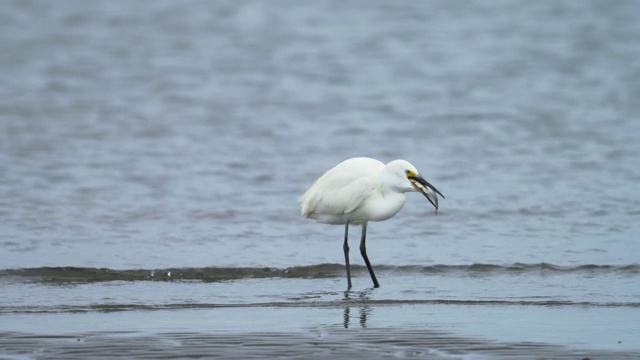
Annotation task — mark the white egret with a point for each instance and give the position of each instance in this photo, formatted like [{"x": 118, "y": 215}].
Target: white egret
[{"x": 359, "y": 190}]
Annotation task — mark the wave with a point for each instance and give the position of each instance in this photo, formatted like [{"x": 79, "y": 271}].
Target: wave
[{"x": 70, "y": 274}]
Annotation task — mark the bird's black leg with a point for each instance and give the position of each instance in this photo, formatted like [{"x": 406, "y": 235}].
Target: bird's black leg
[
  {"x": 363, "y": 251},
  {"x": 346, "y": 253}
]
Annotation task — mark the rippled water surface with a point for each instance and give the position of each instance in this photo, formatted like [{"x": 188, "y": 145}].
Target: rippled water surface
[{"x": 152, "y": 155}]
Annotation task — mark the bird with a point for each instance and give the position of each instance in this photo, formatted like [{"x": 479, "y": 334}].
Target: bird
[{"x": 359, "y": 190}]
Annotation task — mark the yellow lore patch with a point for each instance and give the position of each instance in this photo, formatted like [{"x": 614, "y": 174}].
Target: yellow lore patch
[{"x": 410, "y": 173}]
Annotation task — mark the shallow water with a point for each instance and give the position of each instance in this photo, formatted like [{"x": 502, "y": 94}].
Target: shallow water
[{"x": 152, "y": 154}]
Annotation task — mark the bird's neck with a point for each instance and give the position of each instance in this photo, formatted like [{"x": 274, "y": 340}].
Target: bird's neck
[{"x": 386, "y": 205}]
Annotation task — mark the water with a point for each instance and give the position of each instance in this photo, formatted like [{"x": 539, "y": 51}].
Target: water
[{"x": 151, "y": 156}]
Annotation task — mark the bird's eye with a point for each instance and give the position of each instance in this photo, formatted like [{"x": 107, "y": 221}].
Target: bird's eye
[{"x": 407, "y": 172}]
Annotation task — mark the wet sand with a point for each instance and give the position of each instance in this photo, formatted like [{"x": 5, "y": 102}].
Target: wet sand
[{"x": 348, "y": 329}]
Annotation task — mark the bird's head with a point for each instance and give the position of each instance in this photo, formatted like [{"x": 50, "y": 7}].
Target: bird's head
[{"x": 415, "y": 181}]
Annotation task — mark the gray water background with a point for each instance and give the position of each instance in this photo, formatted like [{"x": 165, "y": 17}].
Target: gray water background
[{"x": 174, "y": 137}]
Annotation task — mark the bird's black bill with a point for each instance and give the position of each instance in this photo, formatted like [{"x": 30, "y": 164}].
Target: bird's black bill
[{"x": 428, "y": 190}]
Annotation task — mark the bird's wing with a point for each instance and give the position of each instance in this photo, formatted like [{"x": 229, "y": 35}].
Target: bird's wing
[
  {"x": 336, "y": 195},
  {"x": 341, "y": 190},
  {"x": 350, "y": 197}
]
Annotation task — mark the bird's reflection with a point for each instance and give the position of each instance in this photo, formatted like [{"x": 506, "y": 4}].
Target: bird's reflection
[
  {"x": 347, "y": 317},
  {"x": 357, "y": 299}
]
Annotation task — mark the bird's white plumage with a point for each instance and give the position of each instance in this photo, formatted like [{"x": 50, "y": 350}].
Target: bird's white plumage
[{"x": 358, "y": 190}]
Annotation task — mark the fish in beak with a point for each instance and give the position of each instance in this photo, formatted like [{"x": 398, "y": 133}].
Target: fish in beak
[{"x": 428, "y": 190}]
